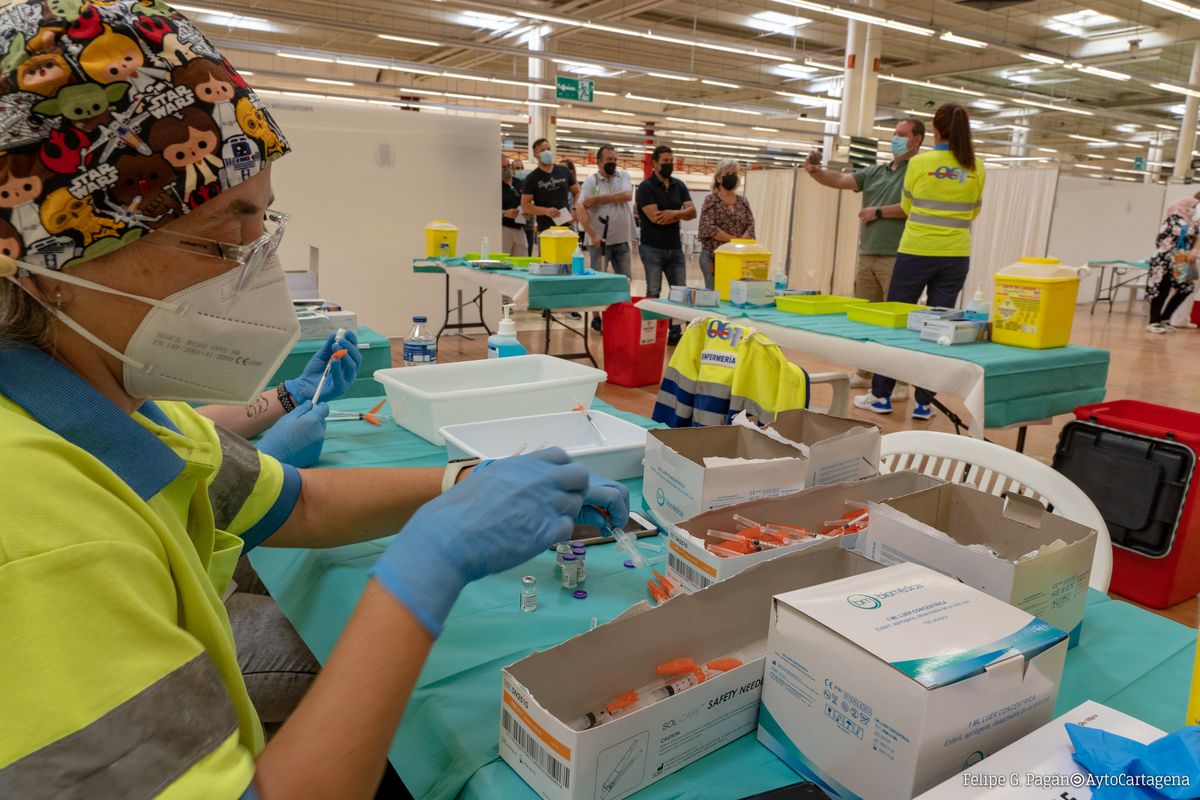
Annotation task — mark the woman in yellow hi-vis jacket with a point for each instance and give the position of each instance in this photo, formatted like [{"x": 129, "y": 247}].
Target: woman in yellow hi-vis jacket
[{"x": 943, "y": 191}]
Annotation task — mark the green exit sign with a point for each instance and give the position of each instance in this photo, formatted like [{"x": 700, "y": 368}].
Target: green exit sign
[
  {"x": 1139, "y": 162},
  {"x": 578, "y": 89}
]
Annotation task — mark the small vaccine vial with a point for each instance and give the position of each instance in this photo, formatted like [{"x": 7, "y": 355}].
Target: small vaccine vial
[
  {"x": 580, "y": 554},
  {"x": 528, "y": 593},
  {"x": 561, "y": 549},
  {"x": 570, "y": 573}
]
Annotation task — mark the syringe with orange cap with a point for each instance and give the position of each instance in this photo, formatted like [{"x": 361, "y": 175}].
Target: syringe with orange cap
[{"x": 678, "y": 675}]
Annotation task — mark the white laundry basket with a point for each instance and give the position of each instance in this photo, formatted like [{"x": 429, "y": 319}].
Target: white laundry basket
[{"x": 425, "y": 399}]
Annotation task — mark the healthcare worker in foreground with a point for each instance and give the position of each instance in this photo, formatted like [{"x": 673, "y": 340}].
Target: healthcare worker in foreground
[{"x": 141, "y": 277}]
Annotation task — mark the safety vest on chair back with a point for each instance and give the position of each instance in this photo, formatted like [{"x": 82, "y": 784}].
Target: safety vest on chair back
[{"x": 719, "y": 369}]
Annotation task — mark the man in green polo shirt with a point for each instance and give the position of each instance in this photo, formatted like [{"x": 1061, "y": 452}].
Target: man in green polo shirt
[{"x": 882, "y": 216}]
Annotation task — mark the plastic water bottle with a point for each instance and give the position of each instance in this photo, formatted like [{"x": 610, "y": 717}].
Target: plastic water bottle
[
  {"x": 978, "y": 308},
  {"x": 781, "y": 280},
  {"x": 484, "y": 252},
  {"x": 420, "y": 346}
]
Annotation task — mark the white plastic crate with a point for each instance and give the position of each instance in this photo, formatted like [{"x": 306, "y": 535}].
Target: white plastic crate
[
  {"x": 425, "y": 399},
  {"x": 613, "y": 448}
]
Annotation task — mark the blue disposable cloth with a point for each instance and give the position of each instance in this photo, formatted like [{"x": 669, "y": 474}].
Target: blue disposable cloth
[{"x": 1166, "y": 769}]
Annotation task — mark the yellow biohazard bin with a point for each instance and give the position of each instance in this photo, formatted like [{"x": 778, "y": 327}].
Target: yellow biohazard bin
[
  {"x": 558, "y": 244},
  {"x": 740, "y": 260},
  {"x": 1034, "y": 303},
  {"x": 1193, "y": 712},
  {"x": 437, "y": 233}
]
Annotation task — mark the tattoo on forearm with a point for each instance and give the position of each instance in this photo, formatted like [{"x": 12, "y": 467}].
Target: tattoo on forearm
[{"x": 259, "y": 406}]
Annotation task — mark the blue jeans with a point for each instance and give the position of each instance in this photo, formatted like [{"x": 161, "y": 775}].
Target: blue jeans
[
  {"x": 658, "y": 260},
  {"x": 618, "y": 255},
  {"x": 708, "y": 261},
  {"x": 941, "y": 278}
]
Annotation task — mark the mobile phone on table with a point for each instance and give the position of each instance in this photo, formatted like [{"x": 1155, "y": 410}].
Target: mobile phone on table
[
  {"x": 806, "y": 790},
  {"x": 638, "y": 525}
]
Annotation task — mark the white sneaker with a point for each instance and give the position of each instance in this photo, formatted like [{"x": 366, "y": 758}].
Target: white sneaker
[
  {"x": 869, "y": 402},
  {"x": 858, "y": 381},
  {"x": 1155, "y": 327},
  {"x": 900, "y": 393},
  {"x": 1170, "y": 328}
]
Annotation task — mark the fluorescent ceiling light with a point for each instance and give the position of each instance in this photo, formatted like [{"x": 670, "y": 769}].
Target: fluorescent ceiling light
[
  {"x": 912, "y": 112},
  {"x": 871, "y": 19},
  {"x": 1104, "y": 73},
  {"x": 954, "y": 38},
  {"x": 931, "y": 85},
  {"x": 246, "y": 72},
  {"x": 492, "y": 22},
  {"x": 574, "y": 63},
  {"x": 1160, "y": 126},
  {"x": 461, "y": 76},
  {"x": 818, "y": 65},
  {"x": 617, "y": 113},
  {"x": 1041, "y": 58},
  {"x": 305, "y": 95},
  {"x": 415, "y": 70},
  {"x": 597, "y": 26},
  {"x": 330, "y": 81},
  {"x": 420, "y": 91},
  {"x": 722, "y": 84},
  {"x": 1046, "y": 150},
  {"x": 730, "y": 109},
  {"x": 669, "y": 77},
  {"x": 352, "y": 63},
  {"x": 792, "y": 70},
  {"x": 766, "y": 130},
  {"x": 774, "y": 22},
  {"x": 697, "y": 122},
  {"x": 1166, "y": 87},
  {"x": 531, "y": 85},
  {"x": 1079, "y": 23},
  {"x": 301, "y": 57},
  {"x": 1169, "y": 5},
  {"x": 410, "y": 40},
  {"x": 1051, "y": 107},
  {"x": 1088, "y": 138},
  {"x": 1086, "y": 166},
  {"x": 547, "y": 18}
]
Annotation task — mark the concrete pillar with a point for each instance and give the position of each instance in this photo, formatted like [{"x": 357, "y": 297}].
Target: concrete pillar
[
  {"x": 1018, "y": 143},
  {"x": 540, "y": 121},
  {"x": 1187, "y": 129},
  {"x": 1154, "y": 154},
  {"x": 869, "y": 77},
  {"x": 856, "y": 46}
]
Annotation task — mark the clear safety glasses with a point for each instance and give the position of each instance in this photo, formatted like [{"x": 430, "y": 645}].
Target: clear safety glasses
[{"x": 252, "y": 258}]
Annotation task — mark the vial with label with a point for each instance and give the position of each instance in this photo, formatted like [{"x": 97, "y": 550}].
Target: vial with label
[
  {"x": 570, "y": 572},
  {"x": 580, "y": 553},
  {"x": 528, "y": 593},
  {"x": 561, "y": 549}
]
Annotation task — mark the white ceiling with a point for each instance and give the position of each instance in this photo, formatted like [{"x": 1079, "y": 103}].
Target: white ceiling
[{"x": 459, "y": 54}]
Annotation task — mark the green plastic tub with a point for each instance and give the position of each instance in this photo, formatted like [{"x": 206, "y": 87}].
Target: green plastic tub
[
  {"x": 817, "y": 304},
  {"x": 885, "y": 315}
]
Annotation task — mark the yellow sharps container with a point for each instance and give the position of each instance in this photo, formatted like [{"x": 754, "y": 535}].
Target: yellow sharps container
[
  {"x": 437, "y": 233},
  {"x": 558, "y": 244},
  {"x": 1034, "y": 303},
  {"x": 740, "y": 260}
]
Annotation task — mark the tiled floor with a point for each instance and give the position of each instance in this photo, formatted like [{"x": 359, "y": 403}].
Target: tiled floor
[{"x": 1156, "y": 368}]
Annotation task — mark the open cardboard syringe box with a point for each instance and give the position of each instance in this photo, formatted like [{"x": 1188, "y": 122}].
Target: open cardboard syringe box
[
  {"x": 693, "y": 566},
  {"x": 623, "y": 755}
]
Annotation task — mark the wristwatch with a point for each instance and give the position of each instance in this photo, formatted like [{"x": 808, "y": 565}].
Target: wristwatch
[
  {"x": 285, "y": 399},
  {"x": 878, "y": 212},
  {"x": 454, "y": 469}
]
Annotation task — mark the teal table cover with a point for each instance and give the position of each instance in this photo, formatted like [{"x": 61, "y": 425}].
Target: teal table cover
[{"x": 447, "y": 743}]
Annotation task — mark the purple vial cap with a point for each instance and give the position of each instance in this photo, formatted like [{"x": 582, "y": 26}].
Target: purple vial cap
[
  {"x": 629, "y": 564},
  {"x": 576, "y": 543},
  {"x": 580, "y": 594},
  {"x": 569, "y": 557}
]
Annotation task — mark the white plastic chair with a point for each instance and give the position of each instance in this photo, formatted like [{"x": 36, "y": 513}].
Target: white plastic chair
[{"x": 992, "y": 468}]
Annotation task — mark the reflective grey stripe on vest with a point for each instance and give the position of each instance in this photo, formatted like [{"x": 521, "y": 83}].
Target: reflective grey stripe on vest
[
  {"x": 706, "y": 388},
  {"x": 939, "y": 222},
  {"x": 944, "y": 205},
  {"x": 137, "y": 749},
  {"x": 235, "y": 479}
]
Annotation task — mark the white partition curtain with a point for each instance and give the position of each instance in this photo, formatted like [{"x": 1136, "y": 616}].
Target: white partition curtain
[
  {"x": 1018, "y": 208},
  {"x": 770, "y": 193},
  {"x": 1015, "y": 221}
]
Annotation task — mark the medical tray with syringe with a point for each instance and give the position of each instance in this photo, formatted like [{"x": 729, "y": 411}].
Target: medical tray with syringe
[{"x": 484, "y": 263}]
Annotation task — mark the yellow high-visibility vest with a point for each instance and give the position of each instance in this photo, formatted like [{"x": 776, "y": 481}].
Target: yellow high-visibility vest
[{"x": 941, "y": 199}]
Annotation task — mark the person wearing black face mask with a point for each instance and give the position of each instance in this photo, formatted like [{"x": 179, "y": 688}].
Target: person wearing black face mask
[
  {"x": 605, "y": 215},
  {"x": 725, "y": 216},
  {"x": 511, "y": 223},
  {"x": 662, "y": 202}
]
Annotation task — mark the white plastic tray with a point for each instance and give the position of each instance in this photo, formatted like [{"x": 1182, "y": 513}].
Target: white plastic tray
[
  {"x": 425, "y": 399},
  {"x": 616, "y": 452}
]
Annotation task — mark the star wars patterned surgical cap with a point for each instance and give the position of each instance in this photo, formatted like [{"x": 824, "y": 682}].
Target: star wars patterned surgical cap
[{"x": 116, "y": 117}]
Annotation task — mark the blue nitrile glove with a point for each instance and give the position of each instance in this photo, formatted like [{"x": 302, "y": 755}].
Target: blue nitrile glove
[
  {"x": 298, "y": 437},
  {"x": 608, "y": 495},
  {"x": 489, "y": 522},
  {"x": 340, "y": 377},
  {"x": 1108, "y": 755}
]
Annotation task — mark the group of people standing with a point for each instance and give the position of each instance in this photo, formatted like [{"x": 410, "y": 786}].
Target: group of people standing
[{"x": 916, "y": 233}]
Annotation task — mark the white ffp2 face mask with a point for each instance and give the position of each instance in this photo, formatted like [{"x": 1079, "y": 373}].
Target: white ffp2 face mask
[{"x": 208, "y": 343}]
